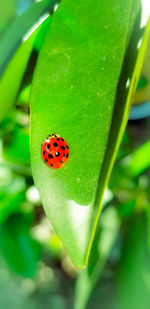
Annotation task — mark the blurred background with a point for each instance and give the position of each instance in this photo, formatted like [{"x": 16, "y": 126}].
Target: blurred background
[{"x": 35, "y": 270}]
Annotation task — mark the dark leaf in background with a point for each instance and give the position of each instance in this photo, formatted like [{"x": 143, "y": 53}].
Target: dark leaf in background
[
  {"x": 133, "y": 286},
  {"x": 16, "y": 245},
  {"x": 16, "y": 146},
  {"x": 12, "y": 193}
]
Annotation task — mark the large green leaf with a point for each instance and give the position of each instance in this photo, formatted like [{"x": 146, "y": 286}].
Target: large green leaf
[{"x": 73, "y": 94}]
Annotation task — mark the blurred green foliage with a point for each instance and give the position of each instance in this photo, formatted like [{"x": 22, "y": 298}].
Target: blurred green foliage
[
  {"x": 32, "y": 259},
  {"x": 7, "y": 11},
  {"x": 35, "y": 271}
]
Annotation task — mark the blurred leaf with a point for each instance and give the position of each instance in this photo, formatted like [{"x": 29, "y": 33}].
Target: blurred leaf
[
  {"x": 127, "y": 209},
  {"x": 133, "y": 287},
  {"x": 73, "y": 94},
  {"x": 21, "y": 26},
  {"x": 14, "y": 71},
  {"x": 25, "y": 88},
  {"x": 12, "y": 193},
  {"x": 16, "y": 146},
  {"x": 138, "y": 161},
  {"x": 7, "y": 11},
  {"x": 148, "y": 225},
  {"x": 24, "y": 95},
  {"x": 102, "y": 245},
  {"x": 10, "y": 203},
  {"x": 142, "y": 82},
  {"x": 13, "y": 74},
  {"x": 17, "y": 246}
]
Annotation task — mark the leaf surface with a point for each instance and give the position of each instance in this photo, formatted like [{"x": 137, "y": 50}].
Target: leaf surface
[{"x": 73, "y": 94}]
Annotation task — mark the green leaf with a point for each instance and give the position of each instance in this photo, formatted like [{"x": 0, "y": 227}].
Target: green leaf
[
  {"x": 16, "y": 245},
  {"x": 124, "y": 97},
  {"x": 7, "y": 11},
  {"x": 14, "y": 70},
  {"x": 148, "y": 225},
  {"x": 133, "y": 282},
  {"x": 24, "y": 95},
  {"x": 19, "y": 29},
  {"x": 142, "y": 82},
  {"x": 73, "y": 94},
  {"x": 102, "y": 245},
  {"x": 12, "y": 76},
  {"x": 12, "y": 193},
  {"x": 16, "y": 146},
  {"x": 138, "y": 161}
]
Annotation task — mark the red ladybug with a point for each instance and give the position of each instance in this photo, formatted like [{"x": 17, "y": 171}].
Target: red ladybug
[{"x": 55, "y": 151}]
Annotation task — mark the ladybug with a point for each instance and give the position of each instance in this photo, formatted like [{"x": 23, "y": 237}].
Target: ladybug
[{"x": 55, "y": 151}]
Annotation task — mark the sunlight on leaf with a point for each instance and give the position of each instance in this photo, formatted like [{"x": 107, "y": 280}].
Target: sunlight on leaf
[{"x": 73, "y": 94}]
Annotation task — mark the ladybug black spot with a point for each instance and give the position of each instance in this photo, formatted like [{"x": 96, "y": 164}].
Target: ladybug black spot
[
  {"x": 44, "y": 153},
  {"x": 57, "y": 154},
  {"x": 62, "y": 139},
  {"x": 50, "y": 156},
  {"x": 51, "y": 164},
  {"x": 67, "y": 146},
  {"x": 62, "y": 147},
  {"x": 46, "y": 160},
  {"x": 67, "y": 155},
  {"x": 63, "y": 154},
  {"x": 48, "y": 146},
  {"x": 58, "y": 139},
  {"x": 55, "y": 144}
]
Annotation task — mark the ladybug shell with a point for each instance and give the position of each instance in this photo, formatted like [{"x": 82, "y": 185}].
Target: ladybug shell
[{"x": 55, "y": 151}]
